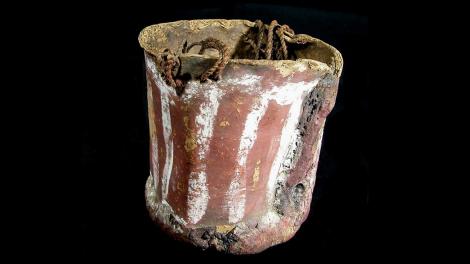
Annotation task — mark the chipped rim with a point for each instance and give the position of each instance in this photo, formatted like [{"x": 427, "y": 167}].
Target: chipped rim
[{"x": 336, "y": 65}]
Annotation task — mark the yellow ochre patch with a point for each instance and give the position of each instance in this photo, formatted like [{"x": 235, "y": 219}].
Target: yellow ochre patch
[
  {"x": 256, "y": 173},
  {"x": 190, "y": 142},
  {"x": 224, "y": 123},
  {"x": 224, "y": 228}
]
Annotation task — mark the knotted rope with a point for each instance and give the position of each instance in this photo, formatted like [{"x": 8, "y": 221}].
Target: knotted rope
[
  {"x": 272, "y": 37},
  {"x": 271, "y": 45},
  {"x": 216, "y": 70}
]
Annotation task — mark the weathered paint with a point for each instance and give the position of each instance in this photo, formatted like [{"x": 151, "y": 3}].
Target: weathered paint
[
  {"x": 214, "y": 111},
  {"x": 237, "y": 157}
]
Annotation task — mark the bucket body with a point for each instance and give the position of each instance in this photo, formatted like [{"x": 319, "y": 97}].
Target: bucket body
[{"x": 233, "y": 161}]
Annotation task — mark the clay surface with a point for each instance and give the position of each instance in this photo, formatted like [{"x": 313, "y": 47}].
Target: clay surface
[{"x": 233, "y": 161}]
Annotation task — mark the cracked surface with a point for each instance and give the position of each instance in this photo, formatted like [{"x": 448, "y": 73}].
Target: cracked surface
[
  {"x": 173, "y": 35},
  {"x": 243, "y": 150}
]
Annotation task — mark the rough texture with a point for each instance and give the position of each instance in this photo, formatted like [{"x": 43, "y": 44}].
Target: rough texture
[{"x": 233, "y": 161}]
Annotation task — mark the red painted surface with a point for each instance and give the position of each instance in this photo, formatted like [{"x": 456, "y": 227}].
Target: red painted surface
[{"x": 220, "y": 161}]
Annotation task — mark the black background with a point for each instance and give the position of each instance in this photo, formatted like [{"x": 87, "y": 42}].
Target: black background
[{"x": 112, "y": 113}]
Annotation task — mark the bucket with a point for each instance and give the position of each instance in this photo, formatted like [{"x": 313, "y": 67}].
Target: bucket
[{"x": 233, "y": 159}]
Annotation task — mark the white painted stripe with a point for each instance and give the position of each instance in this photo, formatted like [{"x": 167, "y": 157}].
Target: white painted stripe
[
  {"x": 249, "y": 80},
  {"x": 198, "y": 193},
  {"x": 155, "y": 165},
  {"x": 153, "y": 138},
  {"x": 249, "y": 134},
  {"x": 293, "y": 93},
  {"x": 166, "y": 122},
  {"x": 206, "y": 117},
  {"x": 198, "y": 196},
  {"x": 236, "y": 200},
  {"x": 165, "y": 93},
  {"x": 290, "y": 93},
  {"x": 191, "y": 89},
  {"x": 236, "y": 194},
  {"x": 161, "y": 84},
  {"x": 269, "y": 219}
]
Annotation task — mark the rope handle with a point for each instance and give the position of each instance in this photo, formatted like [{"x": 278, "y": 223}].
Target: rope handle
[
  {"x": 284, "y": 33},
  {"x": 169, "y": 61},
  {"x": 216, "y": 70}
]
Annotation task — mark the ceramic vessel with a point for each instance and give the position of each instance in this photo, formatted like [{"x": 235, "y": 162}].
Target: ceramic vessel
[{"x": 233, "y": 161}]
